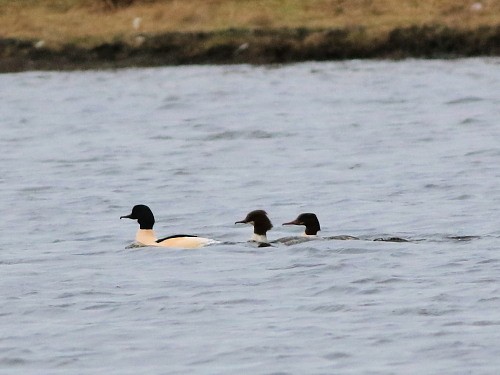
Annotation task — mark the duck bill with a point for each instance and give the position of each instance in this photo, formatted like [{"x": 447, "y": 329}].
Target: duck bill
[
  {"x": 294, "y": 222},
  {"x": 241, "y": 222},
  {"x": 126, "y": 217}
]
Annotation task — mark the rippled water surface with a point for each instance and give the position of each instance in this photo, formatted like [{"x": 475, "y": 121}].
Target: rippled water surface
[{"x": 408, "y": 149}]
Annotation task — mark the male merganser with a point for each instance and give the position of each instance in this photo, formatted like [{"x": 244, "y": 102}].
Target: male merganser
[
  {"x": 311, "y": 222},
  {"x": 261, "y": 224},
  {"x": 146, "y": 236}
]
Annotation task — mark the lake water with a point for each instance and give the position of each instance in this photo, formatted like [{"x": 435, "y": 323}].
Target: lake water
[{"x": 374, "y": 148}]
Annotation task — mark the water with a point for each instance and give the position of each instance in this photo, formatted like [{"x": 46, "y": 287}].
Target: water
[{"x": 374, "y": 148}]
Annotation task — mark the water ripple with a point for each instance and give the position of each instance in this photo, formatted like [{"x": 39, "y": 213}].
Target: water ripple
[{"x": 375, "y": 148}]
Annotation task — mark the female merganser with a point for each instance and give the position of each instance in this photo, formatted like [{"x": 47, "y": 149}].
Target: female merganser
[
  {"x": 311, "y": 222},
  {"x": 146, "y": 236},
  {"x": 261, "y": 224}
]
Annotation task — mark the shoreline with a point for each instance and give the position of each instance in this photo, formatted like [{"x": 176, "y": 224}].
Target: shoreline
[{"x": 252, "y": 46}]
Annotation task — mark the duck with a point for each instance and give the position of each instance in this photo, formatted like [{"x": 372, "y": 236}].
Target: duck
[
  {"x": 311, "y": 222},
  {"x": 261, "y": 224},
  {"x": 146, "y": 236}
]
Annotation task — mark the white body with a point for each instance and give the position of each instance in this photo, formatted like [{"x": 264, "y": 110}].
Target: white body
[
  {"x": 259, "y": 238},
  {"x": 147, "y": 237}
]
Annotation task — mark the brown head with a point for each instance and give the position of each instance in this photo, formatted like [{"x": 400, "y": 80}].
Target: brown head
[
  {"x": 310, "y": 221},
  {"x": 259, "y": 220}
]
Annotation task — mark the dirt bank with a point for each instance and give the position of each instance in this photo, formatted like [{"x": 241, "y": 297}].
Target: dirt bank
[{"x": 253, "y": 47}]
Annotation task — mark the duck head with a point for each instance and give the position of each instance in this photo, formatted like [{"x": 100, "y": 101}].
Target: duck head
[
  {"x": 143, "y": 215},
  {"x": 260, "y": 221},
  {"x": 310, "y": 221}
]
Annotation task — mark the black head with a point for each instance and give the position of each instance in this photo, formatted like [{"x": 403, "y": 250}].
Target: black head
[
  {"x": 143, "y": 215},
  {"x": 259, "y": 220},
  {"x": 309, "y": 220}
]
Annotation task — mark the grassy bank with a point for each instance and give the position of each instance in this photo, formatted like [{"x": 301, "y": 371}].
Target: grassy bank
[{"x": 35, "y": 30}]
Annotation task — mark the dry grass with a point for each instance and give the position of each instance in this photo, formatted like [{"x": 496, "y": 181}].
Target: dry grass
[{"x": 88, "y": 22}]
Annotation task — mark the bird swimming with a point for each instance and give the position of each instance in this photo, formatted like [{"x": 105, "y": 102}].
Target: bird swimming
[
  {"x": 261, "y": 224},
  {"x": 311, "y": 222},
  {"x": 145, "y": 235},
  {"x": 312, "y": 228}
]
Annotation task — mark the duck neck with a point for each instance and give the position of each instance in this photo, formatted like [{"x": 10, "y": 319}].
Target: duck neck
[
  {"x": 259, "y": 238},
  {"x": 309, "y": 235},
  {"x": 310, "y": 232},
  {"x": 145, "y": 237}
]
